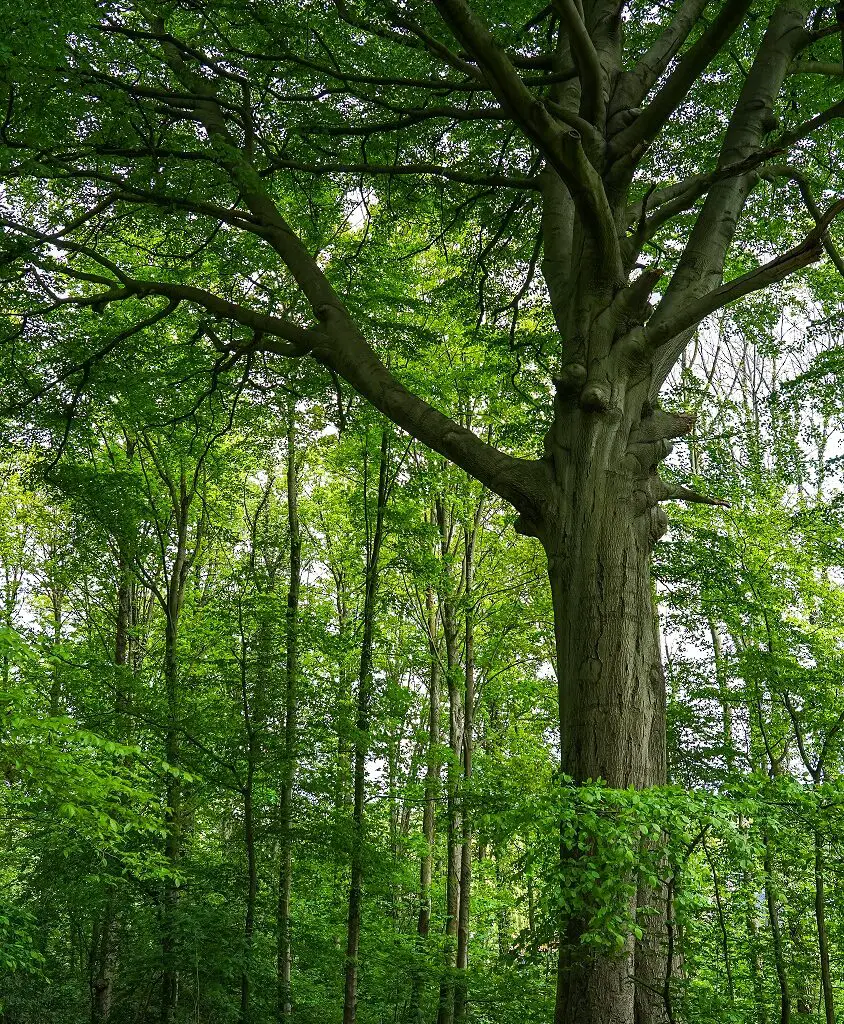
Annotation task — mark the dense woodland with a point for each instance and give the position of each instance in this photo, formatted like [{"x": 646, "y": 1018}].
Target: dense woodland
[{"x": 422, "y": 522}]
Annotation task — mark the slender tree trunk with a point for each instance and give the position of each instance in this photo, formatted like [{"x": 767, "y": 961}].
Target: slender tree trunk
[
  {"x": 173, "y": 842},
  {"x": 343, "y": 766},
  {"x": 102, "y": 983},
  {"x": 723, "y": 696},
  {"x": 823, "y": 935},
  {"x": 57, "y": 606},
  {"x": 251, "y": 866},
  {"x": 291, "y": 728},
  {"x": 365, "y": 694},
  {"x": 423, "y": 924},
  {"x": 722, "y": 925},
  {"x": 445, "y": 1012},
  {"x": 753, "y": 951},
  {"x": 461, "y": 990},
  {"x": 502, "y": 918},
  {"x": 776, "y": 933},
  {"x": 800, "y": 963}
]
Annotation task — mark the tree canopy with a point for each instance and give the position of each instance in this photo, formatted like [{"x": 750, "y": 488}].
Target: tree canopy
[{"x": 352, "y": 666}]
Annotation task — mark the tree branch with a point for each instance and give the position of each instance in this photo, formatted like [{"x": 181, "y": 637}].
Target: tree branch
[
  {"x": 799, "y": 256},
  {"x": 585, "y": 56},
  {"x": 800, "y": 180},
  {"x": 562, "y": 149},
  {"x": 809, "y": 67},
  {"x": 632, "y": 141},
  {"x": 634, "y": 85}
]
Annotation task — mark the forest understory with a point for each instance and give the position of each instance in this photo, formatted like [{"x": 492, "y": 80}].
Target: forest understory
[{"x": 422, "y": 512}]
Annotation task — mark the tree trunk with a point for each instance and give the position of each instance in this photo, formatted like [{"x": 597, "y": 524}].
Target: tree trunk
[
  {"x": 723, "y": 696},
  {"x": 502, "y": 918},
  {"x": 750, "y": 890},
  {"x": 423, "y": 924},
  {"x": 461, "y": 990},
  {"x": 771, "y": 898},
  {"x": 291, "y": 728},
  {"x": 57, "y": 607},
  {"x": 598, "y": 533},
  {"x": 823, "y": 936},
  {"x": 173, "y": 842},
  {"x": 445, "y": 1013},
  {"x": 102, "y": 956},
  {"x": 251, "y": 867},
  {"x": 102, "y": 983},
  {"x": 365, "y": 694}
]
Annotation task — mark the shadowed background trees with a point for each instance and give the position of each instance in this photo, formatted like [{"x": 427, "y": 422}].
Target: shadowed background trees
[{"x": 509, "y": 229}]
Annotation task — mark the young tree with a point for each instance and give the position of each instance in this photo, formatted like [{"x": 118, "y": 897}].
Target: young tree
[{"x": 628, "y": 151}]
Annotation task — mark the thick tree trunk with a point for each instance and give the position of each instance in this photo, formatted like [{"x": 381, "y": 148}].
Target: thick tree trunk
[
  {"x": 291, "y": 728},
  {"x": 598, "y": 535}
]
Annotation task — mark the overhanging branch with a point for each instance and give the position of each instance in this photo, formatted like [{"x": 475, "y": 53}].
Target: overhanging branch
[{"x": 799, "y": 256}]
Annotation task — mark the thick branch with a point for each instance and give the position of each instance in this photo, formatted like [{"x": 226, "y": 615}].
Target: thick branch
[
  {"x": 404, "y": 170},
  {"x": 808, "y": 251},
  {"x": 633, "y": 140},
  {"x": 585, "y": 56},
  {"x": 676, "y": 492},
  {"x": 810, "y": 67},
  {"x": 701, "y": 266},
  {"x": 636, "y": 84},
  {"x": 675, "y": 199},
  {"x": 561, "y": 148}
]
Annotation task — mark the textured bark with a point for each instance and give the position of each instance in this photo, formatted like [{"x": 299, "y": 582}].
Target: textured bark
[
  {"x": 291, "y": 727},
  {"x": 598, "y": 537}
]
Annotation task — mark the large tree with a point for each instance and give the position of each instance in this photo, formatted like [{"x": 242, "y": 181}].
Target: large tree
[{"x": 281, "y": 176}]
